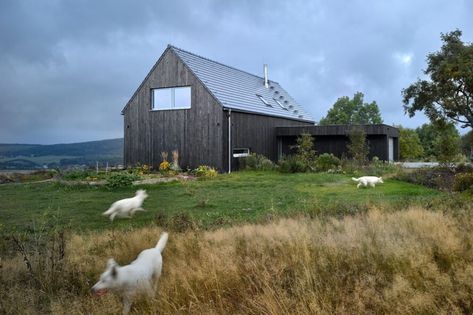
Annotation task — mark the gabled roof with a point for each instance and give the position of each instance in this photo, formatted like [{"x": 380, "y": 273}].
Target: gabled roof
[{"x": 241, "y": 91}]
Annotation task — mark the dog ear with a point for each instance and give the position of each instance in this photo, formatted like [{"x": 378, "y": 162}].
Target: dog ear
[
  {"x": 114, "y": 272},
  {"x": 111, "y": 262}
]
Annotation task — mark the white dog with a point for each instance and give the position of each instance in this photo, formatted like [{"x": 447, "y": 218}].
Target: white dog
[
  {"x": 138, "y": 277},
  {"x": 126, "y": 208},
  {"x": 368, "y": 180}
]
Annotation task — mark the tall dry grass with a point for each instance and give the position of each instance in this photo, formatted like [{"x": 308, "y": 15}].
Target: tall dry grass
[{"x": 412, "y": 261}]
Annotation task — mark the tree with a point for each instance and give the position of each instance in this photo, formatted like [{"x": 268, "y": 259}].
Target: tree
[
  {"x": 352, "y": 111},
  {"x": 358, "y": 146},
  {"x": 305, "y": 149},
  {"x": 467, "y": 144},
  {"x": 429, "y": 135},
  {"x": 449, "y": 92},
  {"x": 409, "y": 144},
  {"x": 447, "y": 146}
]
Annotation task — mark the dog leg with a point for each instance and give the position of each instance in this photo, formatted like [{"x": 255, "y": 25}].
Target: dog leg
[
  {"x": 137, "y": 209},
  {"x": 113, "y": 216},
  {"x": 358, "y": 186},
  {"x": 126, "y": 305}
]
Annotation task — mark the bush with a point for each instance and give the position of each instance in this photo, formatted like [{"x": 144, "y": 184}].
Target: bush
[
  {"x": 436, "y": 177},
  {"x": 164, "y": 166},
  {"x": 292, "y": 164},
  {"x": 326, "y": 161},
  {"x": 463, "y": 181},
  {"x": 256, "y": 162},
  {"x": 120, "y": 179},
  {"x": 78, "y": 174},
  {"x": 204, "y": 171}
]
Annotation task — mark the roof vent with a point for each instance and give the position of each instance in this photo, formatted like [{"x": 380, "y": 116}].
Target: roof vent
[
  {"x": 265, "y": 68},
  {"x": 300, "y": 116}
]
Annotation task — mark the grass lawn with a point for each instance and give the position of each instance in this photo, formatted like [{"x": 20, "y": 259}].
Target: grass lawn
[{"x": 239, "y": 197}]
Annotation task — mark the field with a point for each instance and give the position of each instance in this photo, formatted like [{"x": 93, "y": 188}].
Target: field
[
  {"x": 229, "y": 199},
  {"x": 245, "y": 243}
]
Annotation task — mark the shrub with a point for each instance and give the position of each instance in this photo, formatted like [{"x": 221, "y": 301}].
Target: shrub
[
  {"x": 164, "y": 166},
  {"x": 358, "y": 147},
  {"x": 77, "y": 174},
  {"x": 463, "y": 181},
  {"x": 435, "y": 177},
  {"x": 120, "y": 179},
  {"x": 140, "y": 169},
  {"x": 256, "y": 162},
  {"x": 305, "y": 150},
  {"x": 292, "y": 164},
  {"x": 175, "y": 161},
  {"x": 326, "y": 161},
  {"x": 204, "y": 171}
]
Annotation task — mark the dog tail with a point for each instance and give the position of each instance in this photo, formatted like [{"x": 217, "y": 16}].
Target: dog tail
[
  {"x": 109, "y": 211},
  {"x": 162, "y": 242},
  {"x": 355, "y": 179}
]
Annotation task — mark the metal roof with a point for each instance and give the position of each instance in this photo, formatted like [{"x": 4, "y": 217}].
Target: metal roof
[{"x": 240, "y": 90}]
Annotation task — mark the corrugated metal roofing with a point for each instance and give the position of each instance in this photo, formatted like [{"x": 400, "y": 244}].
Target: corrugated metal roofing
[{"x": 240, "y": 90}]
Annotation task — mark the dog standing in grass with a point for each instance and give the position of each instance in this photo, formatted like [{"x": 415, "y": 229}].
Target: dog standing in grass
[
  {"x": 139, "y": 277},
  {"x": 368, "y": 181},
  {"x": 126, "y": 208}
]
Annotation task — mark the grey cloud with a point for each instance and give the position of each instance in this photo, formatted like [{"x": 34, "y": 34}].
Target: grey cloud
[{"x": 68, "y": 67}]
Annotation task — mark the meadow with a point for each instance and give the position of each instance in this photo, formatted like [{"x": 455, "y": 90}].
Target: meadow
[
  {"x": 245, "y": 243},
  {"x": 229, "y": 199}
]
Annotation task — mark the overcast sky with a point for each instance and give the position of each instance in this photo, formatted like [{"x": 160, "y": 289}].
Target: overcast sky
[{"x": 67, "y": 68}]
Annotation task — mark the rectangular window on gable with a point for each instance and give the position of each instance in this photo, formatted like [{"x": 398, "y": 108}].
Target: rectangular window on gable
[{"x": 171, "y": 98}]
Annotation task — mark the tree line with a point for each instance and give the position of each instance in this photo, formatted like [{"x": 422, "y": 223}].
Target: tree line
[{"x": 446, "y": 98}]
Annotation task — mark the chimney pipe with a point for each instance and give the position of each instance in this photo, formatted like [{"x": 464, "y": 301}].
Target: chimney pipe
[{"x": 266, "y": 84}]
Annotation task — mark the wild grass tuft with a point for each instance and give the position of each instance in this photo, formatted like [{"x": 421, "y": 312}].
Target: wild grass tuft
[{"x": 379, "y": 261}]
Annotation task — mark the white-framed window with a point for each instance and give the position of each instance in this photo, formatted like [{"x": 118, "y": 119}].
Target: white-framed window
[
  {"x": 171, "y": 98},
  {"x": 264, "y": 100},
  {"x": 241, "y": 152}
]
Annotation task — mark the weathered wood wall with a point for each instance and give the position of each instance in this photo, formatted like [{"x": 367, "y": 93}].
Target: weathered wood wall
[
  {"x": 196, "y": 132},
  {"x": 256, "y": 132},
  {"x": 334, "y": 139}
]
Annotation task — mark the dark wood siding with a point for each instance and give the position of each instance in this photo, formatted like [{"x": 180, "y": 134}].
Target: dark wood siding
[
  {"x": 334, "y": 139},
  {"x": 196, "y": 132},
  {"x": 256, "y": 132}
]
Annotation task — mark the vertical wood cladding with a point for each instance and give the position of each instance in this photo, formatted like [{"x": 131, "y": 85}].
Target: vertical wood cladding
[
  {"x": 256, "y": 132},
  {"x": 334, "y": 139},
  {"x": 196, "y": 132}
]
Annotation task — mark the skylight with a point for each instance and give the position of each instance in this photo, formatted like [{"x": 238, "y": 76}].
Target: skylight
[
  {"x": 280, "y": 104},
  {"x": 263, "y": 100}
]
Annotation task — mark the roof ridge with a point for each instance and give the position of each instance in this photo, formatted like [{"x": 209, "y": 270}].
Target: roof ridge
[{"x": 217, "y": 62}]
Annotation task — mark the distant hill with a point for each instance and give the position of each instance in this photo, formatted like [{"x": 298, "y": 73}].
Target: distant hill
[{"x": 33, "y": 156}]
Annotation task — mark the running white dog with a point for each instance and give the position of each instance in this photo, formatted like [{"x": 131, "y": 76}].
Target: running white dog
[
  {"x": 139, "y": 277},
  {"x": 126, "y": 208},
  {"x": 368, "y": 181}
]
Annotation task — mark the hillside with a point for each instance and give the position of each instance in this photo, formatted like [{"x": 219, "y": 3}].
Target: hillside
[{"x": 33, "y": 156}]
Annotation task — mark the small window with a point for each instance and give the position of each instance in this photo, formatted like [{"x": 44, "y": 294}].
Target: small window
[
  {"x": 263, "y": 100},
  {"x": 171, "y": 98},
  {"x": 280, "y": 104},
  {"x": 241, "y": 152}
]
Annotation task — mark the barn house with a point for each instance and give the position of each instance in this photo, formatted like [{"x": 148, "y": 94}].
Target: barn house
[{"x": 213, "y": 114}]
